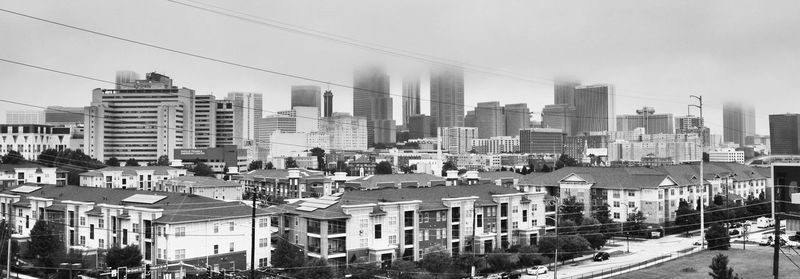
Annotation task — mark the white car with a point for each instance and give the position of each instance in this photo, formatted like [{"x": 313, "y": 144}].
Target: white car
[
  {"x": 539, "y": 269},
  {"x": 494, "y": 276}
]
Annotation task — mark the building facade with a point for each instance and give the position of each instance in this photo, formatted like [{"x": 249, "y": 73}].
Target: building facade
[
  {"x": 141, "y": 178},
  {"x": 307, "y": 96},
  {"x": 595, "y": 108},
  {"x": 784, "y": 134},
  {"x": 648, "y": 119},
  {"x": 447, "y": 97},
  {"x": 31, "y": 139},
  {"x": 348, "y": 133},
  {"x": 457, "y": 140},
  {"x": 411, "y": 98},
  {"x": 518, "y": 116},
  {"x": 541, "y": 141},
  {"x": 371, "y": 99},
  {"x": 496, "y": 145},
  {"x": 491, "y": 120},
  {"x": 738, "y": 122}
]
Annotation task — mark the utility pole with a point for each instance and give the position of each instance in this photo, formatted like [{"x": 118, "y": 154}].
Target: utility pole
[
  {"x": 702, "y": 180},
  {"x": 8, "y": 259},
  {"x": 253, "y": 237}
]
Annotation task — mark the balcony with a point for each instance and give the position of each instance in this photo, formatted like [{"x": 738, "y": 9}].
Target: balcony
[{"x": 336, "y": 227}]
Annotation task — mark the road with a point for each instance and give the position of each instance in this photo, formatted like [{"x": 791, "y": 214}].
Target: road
[{"x": 640, "y": 250}]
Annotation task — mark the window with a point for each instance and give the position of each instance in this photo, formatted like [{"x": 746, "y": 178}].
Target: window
[
  {"x": 231, "y": 225},
  {"x": 514, "y": 225},
  {"x": 525, "y": 216},
  {"x": 616, "y": 215},
  {"x": 631, "y": 194},
  {"x": 631, "y": 204},
  {"x": 216, "y": 249},
  {"x": 101, "y": 243},
  {"x": 135, "y": 228},
  {"x": 83, "y": 240},
  {"x": 180, "y": 254},
  {"x": 83, "y": 221},
  {"x": 535, "y": 222},
  {"x": 230, "y": 247},
  {"x": 216, "y": 227},
  {"x": 503, "y": 209},
  {"x": 479, "y": 220},
  {"x": 101, "y": 223},
  {"x": 158, "y": 253},
  {"x": 616, "y": 194},
  {"x": 392, "y": 239},
  {"x": 263, "y": 222},
  {"x": 515, "y": 209},
  {"x": 91, "y": 231},
  {"x": 616, "y": 204},
  {"x": 377, "y": 231},
  {"x": 671, "y": 192},
  {"x": 181, "y": 232},
  {"x": 263, "y": 242}
]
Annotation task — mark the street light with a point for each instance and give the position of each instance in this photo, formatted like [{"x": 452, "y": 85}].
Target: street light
[
  {"x": 555, "y": 256},
  {"x": 702, "y": 180}
]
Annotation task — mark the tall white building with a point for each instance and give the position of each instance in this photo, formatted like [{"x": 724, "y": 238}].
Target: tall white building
[
  {"x": 251, "y": 111},
  {"x": 347, "y": 132},
  {"x": 307, "y": 119},
  {"x": 457, "y": 140},
  {"x": 25, "y": 117},
  {"x": 30, "y": 140},
  {"x": 496, "y": 145},
  {"x": 726, "y": 155},
  {"x": 150, "y": 119},
  {"x": 205, "y": 127}
]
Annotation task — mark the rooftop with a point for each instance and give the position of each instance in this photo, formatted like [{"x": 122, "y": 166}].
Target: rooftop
[
  {"x": 204, "y": 181},
  {"x": 372, "y": 181},
  {"x": 157, "y": 170}
]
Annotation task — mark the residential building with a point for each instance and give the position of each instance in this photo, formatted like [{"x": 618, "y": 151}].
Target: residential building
[
  {"x": 408, "y": 222},
  {"x": 220, "y": 159},
  {"x": 447, "y": 96},
  {"x": 457, "y": 140},
  {"x": 204, "y": 186},
  {"x": 141, "y": 178},
  {"x": 541, "y": 140},
  {"x": 371, "y": 99},
  {"x": 726, "y": 155},
  {"x": 31, "y": 139},
  {"x": 288, "y": 183},
  {"x": 150, "y": 119},
  {"x": 784, "y": 134},
  {"x": 22, "y": 173},
  {"x": 496, "y": 145},
  {"x": 490, "y": 118},
  {"x": 677, "y": 148},
  {"x": 26, "y": 117},
  {"x": 307, "y": 96},
  {"x": 518, "y": 116},
  {"x": 168, "y": 227},
  {"x": 738, "y": 122},
  {"x": 648, "y": 119},
  {"x": 411, "y": 98}
]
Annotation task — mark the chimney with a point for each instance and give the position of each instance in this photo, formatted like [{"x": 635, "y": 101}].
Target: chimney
[
  {"x": 452, "y": 177},
  {"x": 472, "y": 177}
]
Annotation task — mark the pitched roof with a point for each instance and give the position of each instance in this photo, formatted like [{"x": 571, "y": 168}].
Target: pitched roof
[
  {"x": 281, "y": 173},
  {"x": 495, "y": 175},
  {"x": 178, "y": 207},
  {"x": 22, "y": 165},
  {"x": 372, "y": 181},
  {"x": 205, "y": 181},
  {"x": 157, "y": 170}
]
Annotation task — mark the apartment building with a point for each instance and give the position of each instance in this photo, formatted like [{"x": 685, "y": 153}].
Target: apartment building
[
  {"x": 141, "y": 178},
  {"x": 288, "y": 183},
  {"x": 30, "y": 140},
  {"x": 168, "y": 227},
  {"x": 208, "y": 187},
  {"x": 412, "y": 220},
  {"x": 18, "y": 174}
]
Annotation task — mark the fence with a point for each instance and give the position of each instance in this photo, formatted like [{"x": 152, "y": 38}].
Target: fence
[{"x": 631, "y": 267}]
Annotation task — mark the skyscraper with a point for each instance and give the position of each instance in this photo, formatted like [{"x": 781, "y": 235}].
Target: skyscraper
[
  {"x": 252, "y": 104},
  {"x": 541, "y": 141},
  {"x": 518, "y": 116},
  {"x": 140, "y": 124},
  {"x": 469, "y": 119},
  {"x": 738, "y": 122},
  {"x": 306, "y": 96},
  {"x": 411, "y": 101},
  {"x": 420, "y": 126},
  {"x": 691, "y": 124},
  {"x": 490, "y": 120},
  {"x": 125, "y": 79},
  {"x": 371, "y": 100},
  {"x": 595, "y": 108},
  {"x": 560, "y": 116},
  {"x": 784, "y": 134},
  {"x": 648, "y": 119},
  {"x": 565, "y": 90},
  {"x": 328, "y": 96},
  {"x": 205, "y": 128},
  {"x": 447, "y": 97}
]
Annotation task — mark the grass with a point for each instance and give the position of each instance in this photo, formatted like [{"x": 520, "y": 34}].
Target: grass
[{"x": 755, "y": 262}]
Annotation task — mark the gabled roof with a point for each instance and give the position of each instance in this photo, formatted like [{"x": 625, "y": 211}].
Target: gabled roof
[
  {"x": 495, "y": 175},
  {"x": 204, "y": 181},
  {"x": 23, "y": 165},
  {"x": 157, "y": 170},
  {"x": 373, "y": 181},
  {"x": 281, "y": 173}
]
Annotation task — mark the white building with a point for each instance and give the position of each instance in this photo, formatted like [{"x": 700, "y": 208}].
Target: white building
[
  {"x": 348, "y": 133},
  {"x": 307, "y": 118},
  {"x": 678, "y": 148},
  {"x": 496, "y": 145},
  {"x": 141, "y": 178},
  {"x": 457, "y": 140},
  {"x": 149, "y": 119},
  {"x": 18, "y": 174},
  {"x": 726, "y": 155},
  {"x": 31, "y": 139},
  {"x": 168, "y": 227},
  {"x": 25, "y": 117},
  {"x": 208, "y": 187}
]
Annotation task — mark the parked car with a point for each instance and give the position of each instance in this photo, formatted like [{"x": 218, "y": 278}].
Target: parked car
[
  {"x": 601, "y": 256},
  {"x": 539, "y": 269},
  {"x": 511, "y": 275},
  {"x": 733, "y": 232},
  {"x": 494, "y": 276}
]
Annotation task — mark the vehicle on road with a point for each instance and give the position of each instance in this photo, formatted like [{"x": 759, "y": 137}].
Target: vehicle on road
[
  {"x": 539, "y": 269},
  {"x": 764, "y": 222},
  {"x": 733, "y": 232},
  {"x": 511, "y": 275},
  {"x": 698, "y": 242},
  {"x": 601, "y": 256},
  {"x": 494, "y": 276}
]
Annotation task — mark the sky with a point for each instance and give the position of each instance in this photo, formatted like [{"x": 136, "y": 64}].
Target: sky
[{"x": 656, "y": 53}]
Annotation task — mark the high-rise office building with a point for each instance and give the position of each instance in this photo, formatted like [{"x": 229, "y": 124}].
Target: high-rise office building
[
  {"x": 518, "y": 116},
  {"x": 564, "y": 89},
  {"x": 738, "y": 122},
  {"x": 126, "y": 79},
  {"x": 140, "y": 124},
  {"x": 348, "y": 133},
  {"x": 648, "y": 119},
  {"x": 560, "y": 116},
  {"x": 306, "y": 96},
  {"x": 470, "y": 119},
  {"x": 490, "y": 120},
  {"x": 229, "y": 128},
  {"x": 371, "y": 100},
  {"x": 328, "y": 96},
  {"x": 420, "y": 126},
  {"x": 252, "y": 104},
  {"x": 457, "y": 140},
  {"x": 595, "y": 108},
  {"x": 784, "y": 134},
  {"x": 541, "y": 141},
  {"x": 447, "y": 96},
  {"x": 307, "y": 119},
  {"x": 411, "y": 100},
  {"x": 26, "y": 117},
  {"x": 205, "y": 117},
  {"x": 691, "y": 124}
]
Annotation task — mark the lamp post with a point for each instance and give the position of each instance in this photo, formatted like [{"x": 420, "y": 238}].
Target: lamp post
[
  {"x": 555, "y": 256},
  {"x": 702, "y": 181}
]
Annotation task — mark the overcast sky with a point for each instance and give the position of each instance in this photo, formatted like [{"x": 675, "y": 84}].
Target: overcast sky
[{"x": 656, "y": 53}]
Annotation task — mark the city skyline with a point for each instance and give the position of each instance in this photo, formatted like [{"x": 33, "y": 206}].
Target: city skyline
[{"x": 634, "y": 89}]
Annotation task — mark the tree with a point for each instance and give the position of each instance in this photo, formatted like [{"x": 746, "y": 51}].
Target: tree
[
  {"x": 320, "y": 154},
  {"x": 602, "y": 214},
  {"x": 255, "y": 165},
  {"x": 315, "y": 268},
  {"x": 112, "y": 162},
  {"x": 500, "y": 260},
  {"x": 569, "y": 246},
  {"x": 706, "y": 158},
  {"x": 590, "y": 230},
  {"x": 719, "y": 268},
  {"x": 201, "y": 169},
  {"x": 129, "y": 256},
  {"x": 437, "y": 261},
  {"x": 131, "y": 162},
  {"x": 163, "y": 160},
  {"x": 286, "y": 255},
  {"x": 5, "y": 233},
  {"x": 290, "y": 163},
  {"x": 528, "y": 256},
  {"x": 524, "y": 170},
  {"x": 718, "y": 238},
  {"x": 407, "y": 169},
  {"x": 269, "y": 166},
  {"x": 46, "y": 244},
  {"x": 571, "y": 209},
  {"x": 545, "y": 168},
  {"x": 686, "y": 217},
  {"x": 566, "y": 161},
  {"x": 384, "y": 167},
  {"x": 635, "y": 223},
  {"x": 449, "y": 165},
  {"x": 404, "y": 269},
  {"x": 74, "y": 162},
  {"x": 719, "y": 200},
  {"x": 12, "y": 157}
]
